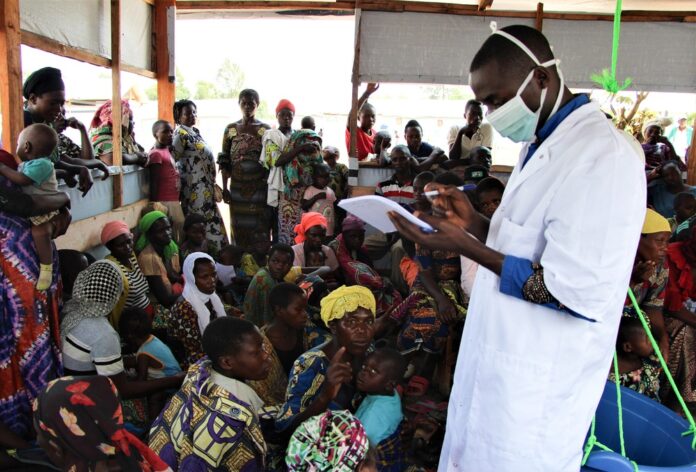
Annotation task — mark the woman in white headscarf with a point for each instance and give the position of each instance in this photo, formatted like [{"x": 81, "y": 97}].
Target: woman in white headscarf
[{"x": 197, "y": 306}]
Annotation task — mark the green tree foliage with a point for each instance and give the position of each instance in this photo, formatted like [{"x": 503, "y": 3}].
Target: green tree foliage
[
  {"x": 182, "y": 91},
  {"x": 206, "y": 90},
  {"x": 230, "y": 79}
]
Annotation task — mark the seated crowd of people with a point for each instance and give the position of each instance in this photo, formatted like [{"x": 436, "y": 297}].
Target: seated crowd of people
[{"x": 283, "y": 345}]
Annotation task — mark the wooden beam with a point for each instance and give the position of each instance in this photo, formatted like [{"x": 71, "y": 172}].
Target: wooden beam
[
  {"x": 355, "y": 81},
  {"x": 150, "y": 74},
  {"x": 166, "y": 90},
  {"x": 116, "y": 128},
  {"x": 428, "y": 7},
  {"x": 539, "y": 20},
  {"x": 11, "y": 100},
  {"x": 691, "y": 157},
  {"x": 56, "y": 47}
]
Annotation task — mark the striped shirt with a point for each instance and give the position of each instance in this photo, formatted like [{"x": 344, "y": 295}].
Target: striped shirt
[
  {"x": 392, "y": 190},
  {"x": 137, "y": 284},
  {"x": 93, "y": 346}
]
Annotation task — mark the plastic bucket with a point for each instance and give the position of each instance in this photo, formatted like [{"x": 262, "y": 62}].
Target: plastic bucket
[{"x": 652, "y": 435}]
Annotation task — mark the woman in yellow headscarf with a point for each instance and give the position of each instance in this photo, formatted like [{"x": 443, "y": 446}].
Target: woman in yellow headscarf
[{"x": 324, "y": 377}]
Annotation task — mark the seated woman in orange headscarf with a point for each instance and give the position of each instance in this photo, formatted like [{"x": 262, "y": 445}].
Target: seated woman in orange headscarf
[{"x": 310, "y": 234}]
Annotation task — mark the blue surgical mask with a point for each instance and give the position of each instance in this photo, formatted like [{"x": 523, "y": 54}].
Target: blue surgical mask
[{"x": 514, "y": 119}]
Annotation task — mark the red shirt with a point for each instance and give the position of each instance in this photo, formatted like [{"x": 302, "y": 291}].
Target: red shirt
[
  {"x": 169, "y": 183},
  {"x": 365, "y": 143}
]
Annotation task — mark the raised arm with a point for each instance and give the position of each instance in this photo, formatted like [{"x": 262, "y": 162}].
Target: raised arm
[{"x": 371, "y": 88}]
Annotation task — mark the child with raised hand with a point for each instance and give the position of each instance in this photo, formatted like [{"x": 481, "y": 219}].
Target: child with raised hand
[
  {"x": 366, "y": 121},
  {"x": 319, "y": 197},
  {"x": 637, "y": 368},
  {"x": 380, "y": 411},
  {"x": 37, "y": 176},
  {"x": 153, "y": 358},
  {"x": 165, "y": 181},
  {"x": 215, "y": 393}
]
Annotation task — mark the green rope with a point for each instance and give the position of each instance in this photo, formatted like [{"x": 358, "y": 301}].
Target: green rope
[
  {"x": 592, "y": 441},
  {"x": 618, "y": 404},
  {"x": 665, "y": 369},
  {"x": 607, "y": 79}
]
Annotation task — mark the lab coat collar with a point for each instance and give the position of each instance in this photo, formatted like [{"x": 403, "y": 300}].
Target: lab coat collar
[{"x": 542, "y": 156}]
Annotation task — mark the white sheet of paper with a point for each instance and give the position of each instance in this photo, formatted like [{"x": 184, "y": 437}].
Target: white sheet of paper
[{"x": 372, "y": 209}]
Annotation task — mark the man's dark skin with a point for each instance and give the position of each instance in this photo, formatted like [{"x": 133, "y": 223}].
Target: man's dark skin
[{"x": 494, "y": 84}]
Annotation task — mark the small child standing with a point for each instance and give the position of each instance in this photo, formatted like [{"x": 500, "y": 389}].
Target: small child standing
[
  {"x": 380, "y": 411},
  {"x": 338, "y": 172},
  {"x": 153, "y": 358},
  {"x": 165, "y": 181},
  {"x": 37, "y": 176},
  {"x": 637, "y": 368},
  {"x": 319, "y": 197}
]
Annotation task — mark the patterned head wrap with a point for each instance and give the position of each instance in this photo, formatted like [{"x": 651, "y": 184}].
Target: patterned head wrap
[
  {"x": 104, "y": 114},
  {"x": 47, "y": 79},
  {"x": 144, "y": 226},
  {"x": 334, "y": 441},
  {"x": 344, "y": 300},
  {"x": 351, "y": 223},
  {"x": 67, "y": 412},
  {"x": 95, "y": 294},
  {"x": 114, "y": 229},
  {"x": 309, "y": 220}
]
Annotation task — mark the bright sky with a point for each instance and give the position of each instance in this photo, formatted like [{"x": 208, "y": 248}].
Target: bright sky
[{"x": 307, "y": 60}]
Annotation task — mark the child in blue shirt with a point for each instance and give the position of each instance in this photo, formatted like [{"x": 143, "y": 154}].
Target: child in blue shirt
[
  {"x": 37, "y": 176},
  {"x": 153, "y": 358},
  {"x": 380, "y": 411}
]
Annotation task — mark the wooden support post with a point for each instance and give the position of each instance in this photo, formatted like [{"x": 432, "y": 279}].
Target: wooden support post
[
  {"x": 355, "y": 81},
  {"x": 165, "y": 11},
  {"x": 11, "y": 103},
  {"x": 539, "y": 21},
  {"x": 116, "y": 129},
  {"x": 353, "y": 167},
  {"x": 691, "y": 157}
]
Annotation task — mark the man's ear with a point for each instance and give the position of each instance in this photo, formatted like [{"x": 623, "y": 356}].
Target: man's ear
[
  {"x": 627, "y": 346},
  {"x": 541, "y": 76},
  {"x": 227, "y": 362}
]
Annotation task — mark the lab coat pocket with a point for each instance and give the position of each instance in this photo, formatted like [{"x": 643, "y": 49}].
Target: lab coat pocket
[
  {"x": 520, "y": 241},
  {"x": 511, "y": 393}
]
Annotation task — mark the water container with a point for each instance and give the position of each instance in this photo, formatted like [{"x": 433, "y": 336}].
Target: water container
[{"x": 652, "y": 436}]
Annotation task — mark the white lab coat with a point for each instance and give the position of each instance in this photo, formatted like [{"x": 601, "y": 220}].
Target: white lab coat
[{"x": 528, "y": 378}]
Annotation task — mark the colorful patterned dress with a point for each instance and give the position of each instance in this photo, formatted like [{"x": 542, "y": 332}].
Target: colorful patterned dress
[
  {"x": 644, "y": 380},
  {"x": 241, "y": 158},
  {"x": 421, "y": 327},
  {"x": 196, "y": 165},
  {"x": 29, "y": 339},
  {"x": 205, "y": 427},
  {"x": 357, "y": 269},
  {"x": 304, "y": 386},
  {"x": 297, "y": 176},
  {"x": 182, "y": 325}
]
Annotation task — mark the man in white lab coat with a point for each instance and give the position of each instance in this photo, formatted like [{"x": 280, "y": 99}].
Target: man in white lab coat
[{"x": 554, "y": 269}]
